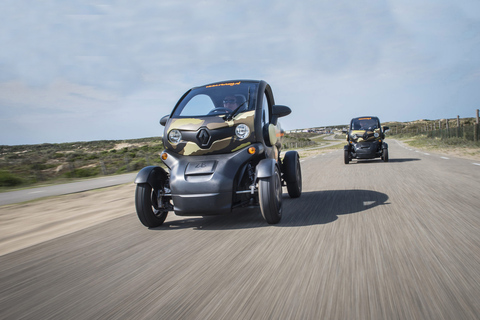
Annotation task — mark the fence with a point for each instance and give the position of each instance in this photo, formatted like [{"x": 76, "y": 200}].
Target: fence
[
  {"x": 442, "y": 129},
  {"x": 470, "y": 133}
]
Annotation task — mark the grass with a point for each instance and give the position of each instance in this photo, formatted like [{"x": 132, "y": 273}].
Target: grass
[
  {"x": 45, "y": 164},
  {"x": 451, "y": 146}
]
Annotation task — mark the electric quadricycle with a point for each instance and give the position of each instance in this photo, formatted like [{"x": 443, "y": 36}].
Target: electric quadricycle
[
  {"x": 222, "y": 151},
  {"x": 365, "y": 138}
]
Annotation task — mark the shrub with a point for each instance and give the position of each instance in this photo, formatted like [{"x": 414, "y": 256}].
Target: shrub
[
  {"x": 8, "y": 179},
  {"x": 82, "y": 173}
]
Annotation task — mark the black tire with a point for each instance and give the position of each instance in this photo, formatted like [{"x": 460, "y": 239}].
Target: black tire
[
  {"x": 293, "y": 174},
  {"x": 346, "y": 157},
  {"x": 385, "y": 155},
  {"x": 147, "y": 208},
  {"x": 270, "y": 197}
]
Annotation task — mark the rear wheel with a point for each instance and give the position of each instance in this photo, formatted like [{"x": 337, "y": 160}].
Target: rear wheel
[
  {"x": 385, "y": 155},
  {"x": 293, "y": 174},
  {"x": 270, "y": 197},
  {"x": 151, "y": 215}
]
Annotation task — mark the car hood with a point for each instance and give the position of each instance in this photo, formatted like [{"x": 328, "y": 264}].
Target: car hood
[
  {"x": 219, "y": 133},
  {"x": 365, "y": 135}
]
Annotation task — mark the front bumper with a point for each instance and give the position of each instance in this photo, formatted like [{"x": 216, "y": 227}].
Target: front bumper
[
  {"x": 204, "y": 185},
  {"x": 366, "y": 150}
]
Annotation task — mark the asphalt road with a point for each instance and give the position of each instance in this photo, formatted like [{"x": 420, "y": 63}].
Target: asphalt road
[
  {"x": 55, "y": 190},
  {"x": 367, "y": 240}
]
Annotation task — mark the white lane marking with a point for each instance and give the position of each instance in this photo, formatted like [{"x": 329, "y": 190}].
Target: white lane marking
[
  {"x": 477, "y": 164},
  {"x": 302, "y": 160},
  {"x": 427, "y": 154},
  {"x": 445, "y": 158},
  {"x": 36, "y": 192}
]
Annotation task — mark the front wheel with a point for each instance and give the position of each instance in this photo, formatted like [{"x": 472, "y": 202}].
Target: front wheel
[
  {"x": 385, "y": 155},
  {"x": 346, "y": 157},
  {"x": 151, "y": 215},
  {"x": 270, "y": 197}
]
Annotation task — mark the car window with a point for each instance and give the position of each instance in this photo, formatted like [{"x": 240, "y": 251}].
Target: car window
[
  {"x": 217, "y": 99},
  {"x": 197, "y": 106},
  {"x": 364, "y": 124}
]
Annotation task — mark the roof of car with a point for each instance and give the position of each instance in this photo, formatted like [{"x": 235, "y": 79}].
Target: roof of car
[{"x": 365, "y": 118}]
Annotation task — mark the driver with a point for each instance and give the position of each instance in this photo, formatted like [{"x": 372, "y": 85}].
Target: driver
[
  {"x": 363, "y": 125},
  {"x": 230, "y": 103}
]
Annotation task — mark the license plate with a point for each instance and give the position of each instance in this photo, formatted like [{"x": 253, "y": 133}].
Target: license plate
[{"x": 200, "y": 167}]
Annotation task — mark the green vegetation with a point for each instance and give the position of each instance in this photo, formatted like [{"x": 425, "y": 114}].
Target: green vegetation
[
  {"x": 463, "y": 133},
  {"x": 30, "y": 165},
  {"x": 458, "y": 137},
  {"x": 300, "y": 140}
]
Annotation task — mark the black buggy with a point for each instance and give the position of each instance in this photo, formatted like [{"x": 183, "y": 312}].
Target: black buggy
[
  {"x": 365, "y": 138},
  {"x": 222, "y": 150}
]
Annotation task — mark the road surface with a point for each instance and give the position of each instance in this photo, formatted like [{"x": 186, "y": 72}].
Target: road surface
[
  {"x": 367, "y": 240},
  {"x": 55, "y": 190}
]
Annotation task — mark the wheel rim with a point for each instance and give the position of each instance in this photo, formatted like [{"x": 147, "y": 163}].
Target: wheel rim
[
  {"x": 299, "y": 174},
  {"x": 154, "y": 199},
  {"x": 278, "y": 190}
]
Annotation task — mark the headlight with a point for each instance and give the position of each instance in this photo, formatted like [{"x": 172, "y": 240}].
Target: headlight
[
  {"x": 242, "y": 131},
  {"x": 376, "y": 135},
  {"x": 174, "y": 136}
]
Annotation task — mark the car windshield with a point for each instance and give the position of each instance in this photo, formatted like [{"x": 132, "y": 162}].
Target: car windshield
[
  {"x": 364, "y": 124},
  {"x": 227, "y": 98}
]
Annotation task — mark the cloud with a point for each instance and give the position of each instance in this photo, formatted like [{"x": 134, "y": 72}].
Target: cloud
[{"x": 120, "y": 66}]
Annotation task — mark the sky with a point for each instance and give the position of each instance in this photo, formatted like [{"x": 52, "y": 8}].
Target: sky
[{"x": 110, "y": 69}]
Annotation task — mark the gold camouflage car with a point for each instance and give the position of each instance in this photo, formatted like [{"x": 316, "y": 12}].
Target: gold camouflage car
[
  {"x": 222, "y": 151},
  {"x": 365, "y": 138}
]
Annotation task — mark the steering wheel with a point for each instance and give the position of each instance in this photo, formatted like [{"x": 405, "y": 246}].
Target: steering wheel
[{"x": 219, "y": 110}]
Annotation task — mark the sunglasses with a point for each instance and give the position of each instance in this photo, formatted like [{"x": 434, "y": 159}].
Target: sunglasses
[{"x": 229, "y": 101}]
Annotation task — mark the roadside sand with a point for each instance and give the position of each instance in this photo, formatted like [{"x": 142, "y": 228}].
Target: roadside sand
[{"x": 26, "y": 224}]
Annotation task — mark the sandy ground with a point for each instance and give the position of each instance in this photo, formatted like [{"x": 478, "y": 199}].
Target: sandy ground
[{"x": 26, "y": 224}]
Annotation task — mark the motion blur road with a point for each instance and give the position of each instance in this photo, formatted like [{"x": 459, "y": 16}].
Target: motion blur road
[
  {"x": 367, "y": 240},
  {"x": 55, "y": 190}
]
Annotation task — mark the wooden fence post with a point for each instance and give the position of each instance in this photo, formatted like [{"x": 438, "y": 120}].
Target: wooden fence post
[{"x": 475, "y": 133}]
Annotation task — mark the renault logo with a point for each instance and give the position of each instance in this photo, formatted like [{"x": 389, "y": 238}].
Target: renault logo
[{"x": 203, "y": 137}]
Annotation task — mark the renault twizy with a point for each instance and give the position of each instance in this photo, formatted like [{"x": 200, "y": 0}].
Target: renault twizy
[
  {"x": 365, "y": 138},
  {"x": 222, "y": 151}
]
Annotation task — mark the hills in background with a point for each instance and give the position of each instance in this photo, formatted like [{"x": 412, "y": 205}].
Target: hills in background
[{"x": 27, "y": 165}]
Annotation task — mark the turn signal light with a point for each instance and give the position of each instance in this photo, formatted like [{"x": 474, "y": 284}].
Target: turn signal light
[
  {"x": 164, "y": 156},
  {"x": 252, "y": 150}
]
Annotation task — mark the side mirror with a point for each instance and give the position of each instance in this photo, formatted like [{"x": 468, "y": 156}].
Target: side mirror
[
  {"x": 164, "y": 120},
  {"x": 279, "y": 111},
  {"x": 386, "y": 128}
]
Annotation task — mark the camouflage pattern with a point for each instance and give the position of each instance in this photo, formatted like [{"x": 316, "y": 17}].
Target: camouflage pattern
[
  {"x": 365, "y": 135},
  {"x": 189, "y": 127}
]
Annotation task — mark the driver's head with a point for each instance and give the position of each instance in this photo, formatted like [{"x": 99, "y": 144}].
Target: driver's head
[{"x": 230, "y": 102}]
